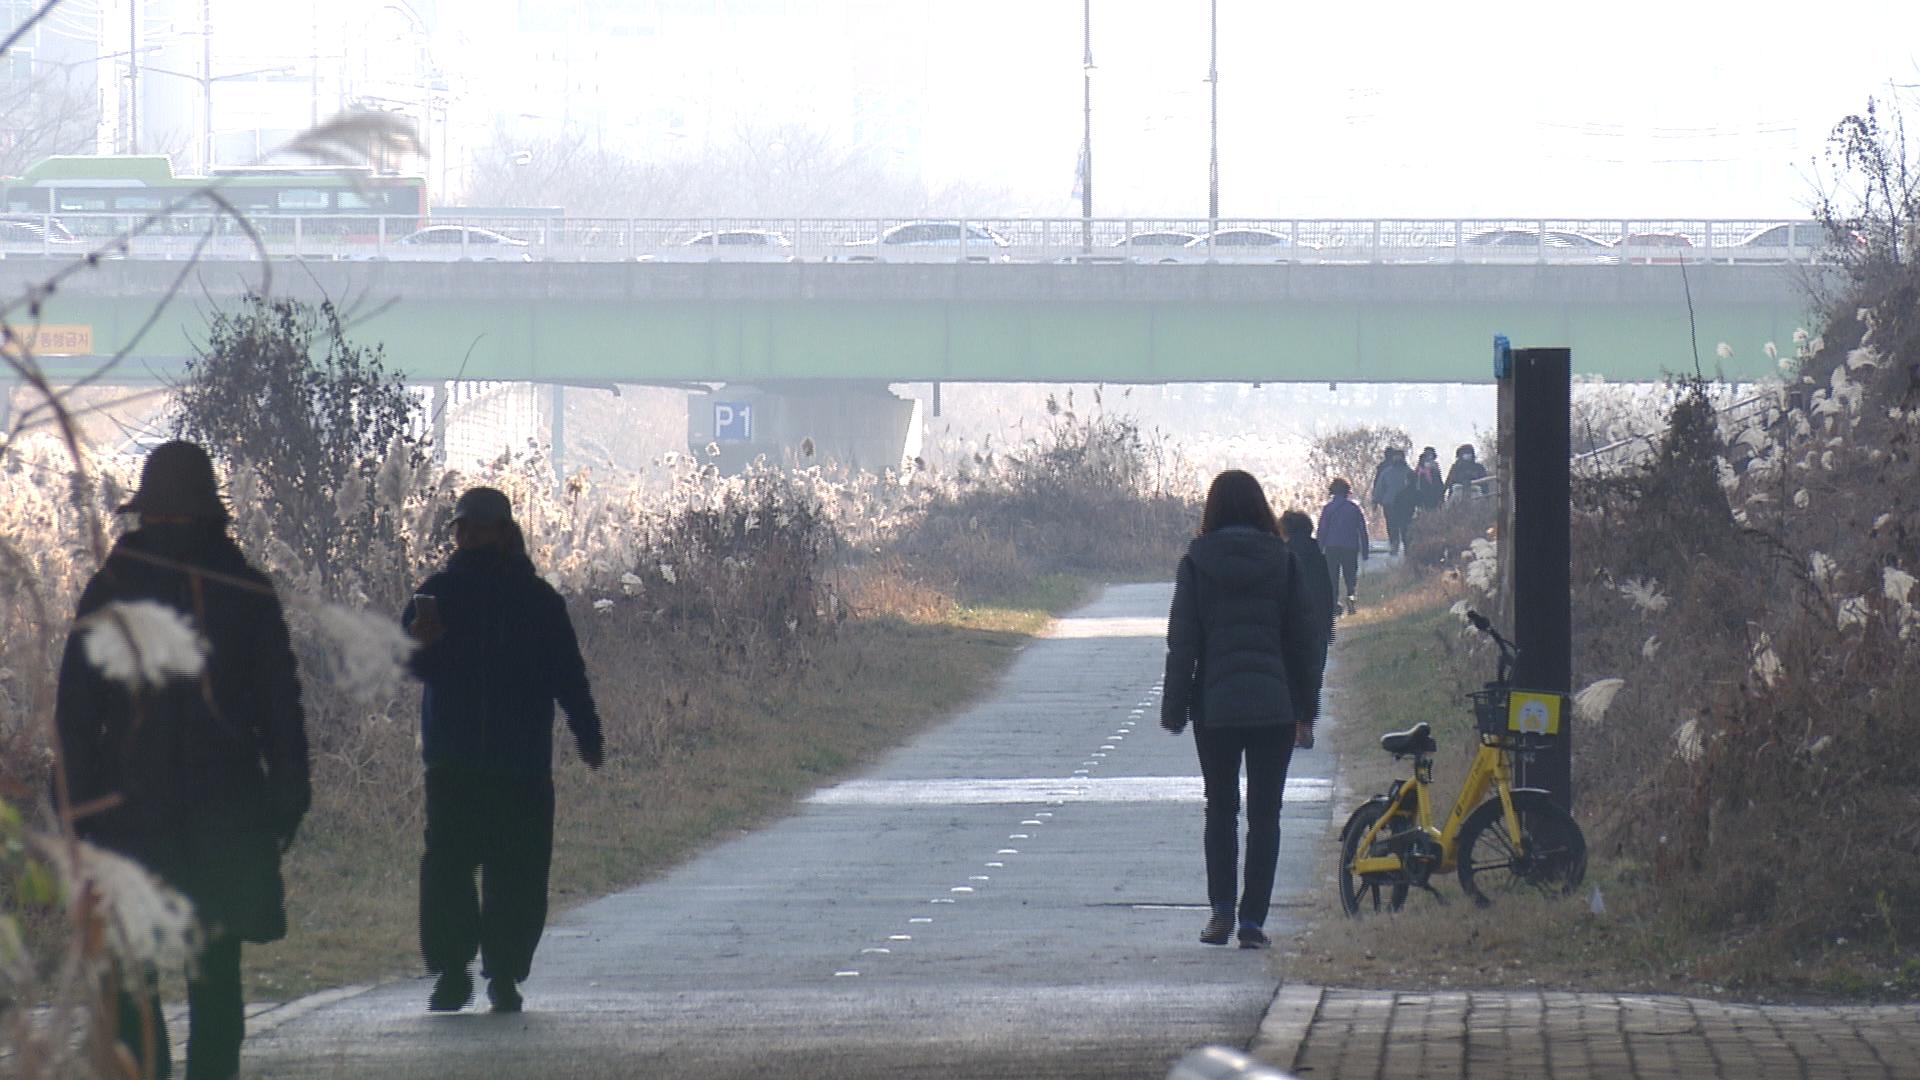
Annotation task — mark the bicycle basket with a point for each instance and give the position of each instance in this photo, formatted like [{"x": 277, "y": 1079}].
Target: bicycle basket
[{"x": 1490, "y": 711}]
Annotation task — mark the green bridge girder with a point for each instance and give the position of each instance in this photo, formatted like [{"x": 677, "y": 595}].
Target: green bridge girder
[{"x": 756, "y": 323}]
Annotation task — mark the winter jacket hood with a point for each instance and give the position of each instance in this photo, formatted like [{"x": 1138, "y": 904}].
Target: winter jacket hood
[{"x": 1241, "y": 640}]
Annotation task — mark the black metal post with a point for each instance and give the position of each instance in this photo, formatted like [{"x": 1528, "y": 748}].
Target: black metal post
[{"x": 1536, "y": 422}]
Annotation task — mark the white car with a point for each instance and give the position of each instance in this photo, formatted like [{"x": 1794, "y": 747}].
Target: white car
[
  {"x": 730, "y": 245},
  {"x": 929, "y": 241},
  {"x": 1242, "y": 245},
  {"x": 457, "y": 243}
]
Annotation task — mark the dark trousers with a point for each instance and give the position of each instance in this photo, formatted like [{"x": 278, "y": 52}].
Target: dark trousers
[
  {"x": 1343, "y": 561},
  {"x": 215, "y": 1020},
  {"x": 1268, "y": 751},
  {"x": 499, "y": 825},
  {"x": 1399, "y": 523}
]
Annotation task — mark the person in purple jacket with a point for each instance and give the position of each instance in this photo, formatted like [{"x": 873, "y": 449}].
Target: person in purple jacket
[{"x": 1343, "y": 536}]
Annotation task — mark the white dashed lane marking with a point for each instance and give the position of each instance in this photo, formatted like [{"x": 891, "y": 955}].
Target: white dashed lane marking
[{"x": 1043, "y": 791}]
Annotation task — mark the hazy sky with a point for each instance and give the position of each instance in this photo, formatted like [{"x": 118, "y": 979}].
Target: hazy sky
[
  {"x": 1334, "y": 109},
  {"x": 1401, "y": 108}
]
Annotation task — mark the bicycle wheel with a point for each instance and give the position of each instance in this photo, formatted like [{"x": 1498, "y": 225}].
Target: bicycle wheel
[
  {"x": 1548, "y": 857},
  {"x": 1365, "y": 895}
]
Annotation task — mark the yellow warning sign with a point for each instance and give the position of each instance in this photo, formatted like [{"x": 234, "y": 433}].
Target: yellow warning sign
[{"x": 50, "y": 339}]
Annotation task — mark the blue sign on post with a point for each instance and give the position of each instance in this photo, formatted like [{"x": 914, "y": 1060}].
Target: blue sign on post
[
  {"x": 1502, "y": 356},
  {"x": 732, "y": 421}
]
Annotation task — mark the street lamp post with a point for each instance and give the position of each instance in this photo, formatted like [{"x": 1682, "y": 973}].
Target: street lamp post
[
  {"x": 133, "y": 76},
  {"x": 1086, "y": 138},
  {"x": 206, "y": 79},
  {"x": 1213, "y": 122}
]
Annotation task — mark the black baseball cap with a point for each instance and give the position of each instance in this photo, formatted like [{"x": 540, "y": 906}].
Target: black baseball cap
[{"x": 483, "y": 506}]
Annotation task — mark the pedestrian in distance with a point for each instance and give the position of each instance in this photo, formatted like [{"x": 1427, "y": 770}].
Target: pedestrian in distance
[
  {"x": 497, "y": 650},
  {"x": 1242, "y": 655},
  {"x": 1465, "y": 471},
  {"x": 1297, "y": 529},
  {"x": 1344, "y": 539},
  {"x": 203, "y": 778},
  {"x": 1428, "y": 485},
  {"x": 1393, "y": 493}
]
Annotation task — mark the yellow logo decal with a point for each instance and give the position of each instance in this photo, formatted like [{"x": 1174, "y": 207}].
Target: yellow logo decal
[{"x": 1532, "y": 713}]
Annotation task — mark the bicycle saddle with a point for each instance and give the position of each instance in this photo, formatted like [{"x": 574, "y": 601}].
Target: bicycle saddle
[{"x": 1417, "y": 739}]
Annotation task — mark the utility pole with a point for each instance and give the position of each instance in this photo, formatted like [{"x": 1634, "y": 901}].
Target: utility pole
[
  {"x": 1213, "y": 150},
  {"x": 1086, "y": 137}
]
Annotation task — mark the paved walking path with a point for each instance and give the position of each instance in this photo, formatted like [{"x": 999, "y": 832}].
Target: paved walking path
[
  {"x": 1017, "y": 893},
  {"x": 1507, "y": 1035}
]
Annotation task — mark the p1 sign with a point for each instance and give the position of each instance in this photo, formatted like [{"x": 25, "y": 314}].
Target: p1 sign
[{"x": 732, "y": 421}]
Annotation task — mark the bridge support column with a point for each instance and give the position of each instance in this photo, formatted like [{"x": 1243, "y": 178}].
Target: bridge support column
[
  {"x": 437, "y": 422},
  {"x": 856, "y": 425}
]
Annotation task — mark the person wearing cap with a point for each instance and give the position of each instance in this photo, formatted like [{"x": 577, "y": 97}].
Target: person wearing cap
[
  {"x": 202, "y": 779},
  {"x": 1342, "y": 533},
  {"x": 497, "y": 650},
  {"x": 1466, "y": 469}
]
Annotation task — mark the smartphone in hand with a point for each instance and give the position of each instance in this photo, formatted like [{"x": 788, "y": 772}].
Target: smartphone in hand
[{"x": 426, "y": 626}]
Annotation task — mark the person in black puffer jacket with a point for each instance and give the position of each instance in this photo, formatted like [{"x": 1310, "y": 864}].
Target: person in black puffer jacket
[
  {"x": 1297, "y": 528},
  {"x": 203, "y": 780},
  {"x": 1242, "y": 667},
  {"x": 497, "y": 650}
]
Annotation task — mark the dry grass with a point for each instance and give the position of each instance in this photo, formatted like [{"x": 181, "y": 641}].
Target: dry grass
[{"x": 1405, "y": 659}]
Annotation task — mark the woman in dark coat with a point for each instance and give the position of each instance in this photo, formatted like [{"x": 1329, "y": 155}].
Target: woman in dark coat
[
  {"x": 204, "y": 778},
  {"x": 1242, "y": 667}
]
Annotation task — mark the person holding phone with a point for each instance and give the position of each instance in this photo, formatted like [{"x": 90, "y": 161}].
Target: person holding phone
[{"x": 497, "y": 650}]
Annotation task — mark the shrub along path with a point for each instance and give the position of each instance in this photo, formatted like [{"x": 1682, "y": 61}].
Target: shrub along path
[{"x": 1017, "y": 892}]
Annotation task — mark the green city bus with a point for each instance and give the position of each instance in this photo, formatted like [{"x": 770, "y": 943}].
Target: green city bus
[{"x": 99, "y": 195}]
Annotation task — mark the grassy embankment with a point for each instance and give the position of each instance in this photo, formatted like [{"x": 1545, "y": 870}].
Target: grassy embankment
[
  {"x": 769, "y": 740},
  {"x": 1403, "y": 659}
]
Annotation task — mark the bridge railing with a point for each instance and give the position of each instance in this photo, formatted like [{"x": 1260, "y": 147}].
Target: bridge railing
[{"x": 1143, "y": 240}]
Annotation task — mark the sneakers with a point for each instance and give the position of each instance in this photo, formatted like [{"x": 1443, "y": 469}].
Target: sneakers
[
  {"x": 504, "y": 995},
  {"x": 451, "y": 991},
  {"x": 1219, "y": 929},
  {"x": 1252, "y": 937},
  {"x": 1352, "y": 606}
]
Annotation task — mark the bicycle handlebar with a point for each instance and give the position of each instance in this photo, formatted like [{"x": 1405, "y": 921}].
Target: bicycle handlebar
[{"x": 1507, "y": 648}]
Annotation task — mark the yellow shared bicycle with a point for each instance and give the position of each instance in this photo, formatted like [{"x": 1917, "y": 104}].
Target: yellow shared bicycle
[{"x": 1500, "y": 838}]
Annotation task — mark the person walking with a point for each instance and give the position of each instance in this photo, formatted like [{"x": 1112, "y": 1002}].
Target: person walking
[
  {"x": 1241, "y": 668},
  {"x": 1297, "y": 529},
  {"x": 204, "y": 777},
  {"x": 1466, "y": 470},
  {"x": 497, "y": 650},
  {"x": 1392, "y": 492},
  {"x": 1428, "y": 485},
  {"x": 1343, "y": 538}
]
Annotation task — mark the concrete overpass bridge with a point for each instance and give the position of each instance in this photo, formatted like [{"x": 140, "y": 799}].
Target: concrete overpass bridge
[{"x": 791, "y": 331}]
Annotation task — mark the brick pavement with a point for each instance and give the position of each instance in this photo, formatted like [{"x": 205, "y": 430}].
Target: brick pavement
[{"x": 1336, "y": 1034}]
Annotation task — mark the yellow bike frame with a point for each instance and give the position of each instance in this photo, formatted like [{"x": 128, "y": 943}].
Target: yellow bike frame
[{"x": 1492, "y": 767}]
